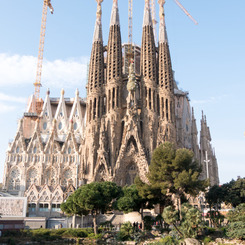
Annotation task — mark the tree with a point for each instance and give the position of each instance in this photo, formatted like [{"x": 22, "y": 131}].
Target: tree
[
  {"x": 191, "y": 220},
  {"x": 234, "y": 192},
  {"x": 215, "y": 196},
  {"x": 236, "y": 227},
  {"x": 93, "y": 198},
  {"x": 175, "y": 172},
  {"x": 71, "y": 208},
  {"x": 138, "y": 197}
]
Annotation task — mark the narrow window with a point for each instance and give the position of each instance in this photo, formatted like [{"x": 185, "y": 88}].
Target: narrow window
[
  {"x": 158, "y": 105},
  {"x": 94, "y": 114},
  {"x": 150, "y": 98}
]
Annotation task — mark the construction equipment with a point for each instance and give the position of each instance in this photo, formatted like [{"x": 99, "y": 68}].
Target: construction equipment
[
  {"x": 130, "y": 30},
  {"x": 185, "y": 11},
  {"x": 153, "y": 13},
  {"x": 46, "y": 4}
]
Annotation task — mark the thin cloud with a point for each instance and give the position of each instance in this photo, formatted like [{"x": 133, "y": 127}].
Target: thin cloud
[
  {"x": 210, "y": 100},
  {"x": 21, "y": 70},
  {"x": 4, "y": 108},
  {"x": 9, "y": 98}
]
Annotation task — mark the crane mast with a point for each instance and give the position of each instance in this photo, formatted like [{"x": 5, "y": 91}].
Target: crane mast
[
  {"x": 130, "y": 30},
  {"x": 37, "y": 84}
]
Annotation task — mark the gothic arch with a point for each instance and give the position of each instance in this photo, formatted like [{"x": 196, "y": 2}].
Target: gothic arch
[
  {"x": 131, "y": 154},
  {"x": 101, "y": 172},
  {"x": 67, "y": 177},
  {"x": 50, "y": 175},
  {"x": 31, "y": 177},
  {"x": 14, "y": 180},
  {"x": 131, "y": 173},
  {"x": 133, "y": 142}
]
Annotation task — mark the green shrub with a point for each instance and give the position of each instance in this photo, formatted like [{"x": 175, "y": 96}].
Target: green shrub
[
  {"x": 11, "y": 241},
  {"x": 125, "y": 233},
  {"x": 148, "y": 221},
  {"x": 209, "y": 230},
  {"x": 236, "y": 230},
  {"x": 12, "y": 234},
  {"x": 168, "y": 240},
  {"x": 207, "y": 240},
  {"x": 75, "y": 233},
  {"x": 93, "y": 236}
]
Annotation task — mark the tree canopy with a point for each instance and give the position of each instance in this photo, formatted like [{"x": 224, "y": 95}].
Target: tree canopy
[
  {"x": 175, "y": 171},
  {"x": 138, "y": 197},
  {"x": 236, "y": 227},
  {"x": 232, "y": 192},
  {"x": 93, "y": 198}
]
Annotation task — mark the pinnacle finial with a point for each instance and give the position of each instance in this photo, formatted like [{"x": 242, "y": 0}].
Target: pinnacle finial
[
  {"x": 77, "y": 92},
  {"x": 48, "y": 92},
  {"x": 62, "y": 91},
  {"x": 147, "y": 21},
  {"x": 162, "y": 26},
  {"x": 99, "y": 12},
  {"x": 98, "y": 28},
  {"x": 114, "y": 13}
]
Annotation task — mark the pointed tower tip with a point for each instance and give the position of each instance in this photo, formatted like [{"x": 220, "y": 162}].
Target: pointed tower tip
[
  {"x": 77, "y": 92},
  {"x": 62, "y": 91},
  {"x": 48, "y": 92},
  {"x": 163, "y": 38},
  {"x": 98, "y": 25},
  {"x": 115, "y": 14},
  {"x": 147, "y": 21}
]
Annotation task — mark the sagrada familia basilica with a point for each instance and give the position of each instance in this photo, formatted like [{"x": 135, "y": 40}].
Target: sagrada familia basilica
[{"x": 133, "y": 105}]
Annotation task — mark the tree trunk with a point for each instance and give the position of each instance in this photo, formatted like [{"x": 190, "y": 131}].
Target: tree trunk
[
  {"x": 179, "y": 207},
  {"x": 142, "y": 218},
  {"x": 180, "y": 233},
  {"x": 95, "y": 225},
  {"x": 74, "y": 221}
]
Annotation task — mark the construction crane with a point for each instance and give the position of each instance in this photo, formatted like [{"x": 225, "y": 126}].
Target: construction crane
[
  {"x": 153, "y": 12},
  {"x": 130, "y": 55},
  {"x": 185, "y": 11},
  {"x": 46, "y": 4}
]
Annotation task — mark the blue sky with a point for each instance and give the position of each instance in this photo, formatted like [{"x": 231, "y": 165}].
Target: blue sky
[{"x": 208, "y": 59}]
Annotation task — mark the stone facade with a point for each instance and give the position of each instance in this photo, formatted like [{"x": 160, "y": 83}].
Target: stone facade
[{"x": 132, "y": 106}]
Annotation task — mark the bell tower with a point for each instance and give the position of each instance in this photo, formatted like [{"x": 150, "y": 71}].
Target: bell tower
[
  {"x": 165, "y": 98},
  {"x": 148, "y": 68}
]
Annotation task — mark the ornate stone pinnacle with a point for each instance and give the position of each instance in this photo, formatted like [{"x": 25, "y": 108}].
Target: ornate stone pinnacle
[
  {"x": 62, "y": 91},
  {"x": 161, "y": 9},
  {"x": 99, "y": 12}
]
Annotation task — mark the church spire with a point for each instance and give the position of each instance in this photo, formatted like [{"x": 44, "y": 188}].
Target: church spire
[
  {"x": 96, "y": 70},
  {"x": 163, "y": 38},
  {"x": 166, "y": 80},
  {"x": 98, "y": 25},
  {"x": 114, "y": 50},
  {"x": 96, "y": 66},
  {"x": 115, "y": 14},
  {"x": 148, "y": 49},
  {"x": 147, "y": 21},
  {"x": 165, "y": 67}
]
